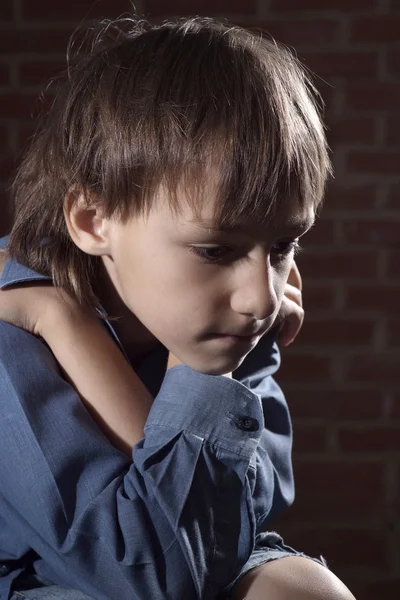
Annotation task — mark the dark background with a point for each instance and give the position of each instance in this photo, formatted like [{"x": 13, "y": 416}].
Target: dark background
[{"x": 342, "y": 378}]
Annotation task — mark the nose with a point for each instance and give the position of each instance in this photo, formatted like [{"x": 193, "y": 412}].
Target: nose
[{"x": 254, "y": 294}]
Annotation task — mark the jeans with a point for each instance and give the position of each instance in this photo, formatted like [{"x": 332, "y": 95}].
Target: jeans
[{"x": 269, "y": 546}]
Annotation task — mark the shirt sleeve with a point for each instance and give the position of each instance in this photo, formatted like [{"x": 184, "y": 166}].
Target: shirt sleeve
[
  {"x": 271, "y": 472},
  {"x": 177, "y": 522}
]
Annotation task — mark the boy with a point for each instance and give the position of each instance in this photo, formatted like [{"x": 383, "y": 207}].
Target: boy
[{"x": 168, "y": 188}]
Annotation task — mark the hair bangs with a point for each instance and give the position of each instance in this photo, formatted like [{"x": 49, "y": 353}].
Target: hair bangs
[
  {"x": 249, "y": 118},
  {"x": 180, "y": 103}
]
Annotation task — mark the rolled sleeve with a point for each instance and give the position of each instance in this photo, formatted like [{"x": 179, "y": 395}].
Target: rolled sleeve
[
  {"x": 272, "y": 478},
  {"x": 218, "y": 409},
  {"x": 177, "y": 521}
]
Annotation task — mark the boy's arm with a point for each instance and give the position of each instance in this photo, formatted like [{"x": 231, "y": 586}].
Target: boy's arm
[
  {"x": 177, "y": 523},
  {"x": 273, "y": 460},
  {"x": 94, "y": 365},
  {"x": 90, "y": 359}
]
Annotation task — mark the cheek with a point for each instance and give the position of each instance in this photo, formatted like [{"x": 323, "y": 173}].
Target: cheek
[{"x": 281, "y": 275}]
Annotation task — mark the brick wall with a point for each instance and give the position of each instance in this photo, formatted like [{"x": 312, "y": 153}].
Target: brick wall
[{"x": 342, "y": 378}]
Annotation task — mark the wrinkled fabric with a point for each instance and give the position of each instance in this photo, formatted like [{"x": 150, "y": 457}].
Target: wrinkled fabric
[{"x": 179, "y": 520}]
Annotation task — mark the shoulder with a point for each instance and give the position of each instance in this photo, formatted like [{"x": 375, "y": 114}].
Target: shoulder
[
  {"x": 24, "y": 358},
  {"x": 14, "y": 340}
]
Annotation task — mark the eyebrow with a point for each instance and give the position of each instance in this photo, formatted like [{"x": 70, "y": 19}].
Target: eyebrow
[{"x": 296, "y": 226}]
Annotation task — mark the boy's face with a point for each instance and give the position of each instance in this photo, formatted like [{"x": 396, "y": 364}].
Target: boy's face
[{"x": 207, "y": 295}]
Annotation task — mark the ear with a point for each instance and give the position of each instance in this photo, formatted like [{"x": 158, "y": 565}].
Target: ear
[{"x": 86, "y": 223}]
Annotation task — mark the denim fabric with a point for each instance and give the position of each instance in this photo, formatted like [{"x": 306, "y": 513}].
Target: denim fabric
[
  {"x": 180, "y": 520},
  {"x": 269, "y": 546},
  {"x": 32, "y": 587},
  {"x": 51, "y": 592}
]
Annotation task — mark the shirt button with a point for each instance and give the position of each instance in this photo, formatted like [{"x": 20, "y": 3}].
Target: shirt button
[
  {"x": 248, "y": 424},
  {"x": 4, "y": 570}
]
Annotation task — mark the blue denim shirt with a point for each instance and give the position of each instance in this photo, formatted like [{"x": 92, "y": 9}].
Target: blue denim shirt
[{"x": 177, "y": 521}]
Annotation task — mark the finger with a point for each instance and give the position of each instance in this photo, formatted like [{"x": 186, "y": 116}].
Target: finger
[
  {"x": 290, "y": 330},
  {"x": 294, "y": 278},
  {"x": 294, "y": 294},
  {"x": 293, "y": 317}
]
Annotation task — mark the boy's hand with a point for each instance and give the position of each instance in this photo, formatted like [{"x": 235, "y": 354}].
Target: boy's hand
[
  {"x": 291, "y": 313},
  {"x": 14, "y": 304},
  {"x": 32, "y": 306}
]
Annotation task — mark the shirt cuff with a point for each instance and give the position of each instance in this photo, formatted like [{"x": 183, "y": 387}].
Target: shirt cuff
[{"x": 216, "y": 408}]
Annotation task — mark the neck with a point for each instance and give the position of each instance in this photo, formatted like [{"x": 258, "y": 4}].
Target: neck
[{"x": 135, "y": 338}]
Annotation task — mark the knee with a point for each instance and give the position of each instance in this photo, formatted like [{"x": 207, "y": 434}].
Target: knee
[{"x": 291, "y": 578}]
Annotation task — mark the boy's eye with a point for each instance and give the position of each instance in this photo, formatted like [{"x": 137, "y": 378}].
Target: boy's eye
[
  {"x": 212, "y": 254},
  {"x": 286, "y": 247}
]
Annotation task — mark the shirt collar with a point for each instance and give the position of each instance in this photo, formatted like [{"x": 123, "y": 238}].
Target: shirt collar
[{"x": 14, "y": 272}]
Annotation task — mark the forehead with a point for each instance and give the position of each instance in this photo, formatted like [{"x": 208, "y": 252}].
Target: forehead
[
  {"x": 290, "y": 215},
  {"x": 199, "y": 210}
]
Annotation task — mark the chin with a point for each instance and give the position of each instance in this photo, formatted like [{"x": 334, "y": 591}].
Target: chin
[{"x": 217, "y": 367}]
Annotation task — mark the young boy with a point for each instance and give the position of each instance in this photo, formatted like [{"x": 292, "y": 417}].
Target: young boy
[{"x": 167, "y": 188}]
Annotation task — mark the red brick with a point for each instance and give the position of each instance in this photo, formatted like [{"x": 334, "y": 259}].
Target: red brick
[
  {"x": 382, "y": 368},
  {"x": 4, "y": 138},
  {"x": 318, "y": 296},
  {"x": 372, "y": 590},
  {"x": 393, "y": 129},
  {"x": 347, "y": 547},
  {"x": 381, "y": 232},
  {"x": 385, "y": 162},
  {"x": 393, "y": 61},
  {"x": 302, "y": 31},
  {"x": 310, "y": 509},
  {"x": 341, "y": 64},
  {"x": 351, "y": 197},
  {"x": 39, "y": 72},
  {"x": 375, "y": 28},
  {"x": 5, "y": 214},
  {"x": 17, "y": 105},
  {"x": 353, "y": 130},
  {"x": 6, "y": 10},
  {"x": 332, "y": 475},
  {"x": 393, "y": 331},
  {"x": 336, "y": 404},
  {"x": 320, "y": 490},
  {"x": 393, "y": 264},
  {"x": 321, "y": 234},
  {"x": 327, "y": 93},
  {"x": 337, "y": 332},
  {"x": 370, "y": 439},
  {"x": 200, "y": 7},
  {"x": 4, "y": 74},
  {"x": 393, "y": 197},
  {"x": 375, "y": 95},
  {"x": 336, "y": 5},
  {"x": 344, "y": 265},
  {"x": 309, "y": 438},
  {"x": 24, "y": 41},
  {"x": 48, "y": 10},
  {"x": 25, "y": 132},
  {"x": 380, "y": 297},
  {"x": 7, "y": 167},
  {"x": 304, "y": 368},
  {"x": 395, "y": 409}
]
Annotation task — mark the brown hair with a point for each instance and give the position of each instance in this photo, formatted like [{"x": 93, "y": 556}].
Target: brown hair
[{"x": 149, "y": 105}]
